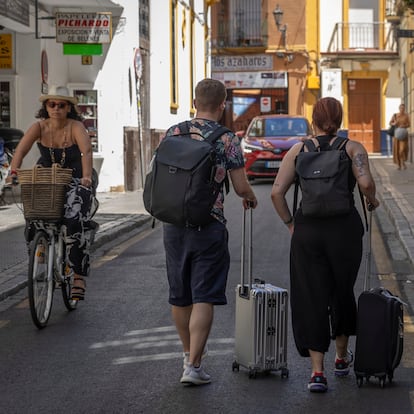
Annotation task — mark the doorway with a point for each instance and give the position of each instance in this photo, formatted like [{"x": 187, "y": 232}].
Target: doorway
[
  {"x": 8, "y": 101},
  {"x": 364, "y": 112},
  {"x": 5, "y": 106}
]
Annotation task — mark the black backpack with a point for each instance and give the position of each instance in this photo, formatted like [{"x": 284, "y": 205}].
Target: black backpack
[
  {"x": 323, "y": 176},
  {"x": 180, "y": 188}
]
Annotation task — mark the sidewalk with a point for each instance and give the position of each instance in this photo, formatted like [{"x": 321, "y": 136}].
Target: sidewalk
[
  {"x": 122, "y": 212},
  {"x": 395, "y": 190},
  {"x": 119, "y": 213}
]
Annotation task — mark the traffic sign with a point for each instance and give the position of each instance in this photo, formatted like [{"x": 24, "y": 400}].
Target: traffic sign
[{"x": 265, "y": 104}]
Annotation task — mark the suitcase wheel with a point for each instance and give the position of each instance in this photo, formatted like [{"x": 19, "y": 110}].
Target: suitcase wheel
[
  {"x": 252, "y": 373},
  {"x": 236, "y": 366},
  {"x": 285, "y": 373},
  {"x": 360, "y": 381}
]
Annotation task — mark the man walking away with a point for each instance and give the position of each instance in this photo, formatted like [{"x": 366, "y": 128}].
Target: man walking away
[{"x": 197, "y": 257}]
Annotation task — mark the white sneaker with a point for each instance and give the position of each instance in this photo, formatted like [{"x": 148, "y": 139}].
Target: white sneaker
[
  {"x": 195, "y": 376},
  {"x": 186, "y": 356}
]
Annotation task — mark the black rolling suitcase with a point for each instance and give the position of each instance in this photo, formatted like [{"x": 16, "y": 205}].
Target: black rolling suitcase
[{"x": 380, "y": 330}]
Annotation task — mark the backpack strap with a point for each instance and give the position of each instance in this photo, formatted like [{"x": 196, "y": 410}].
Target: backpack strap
[
  {"x": 212, "y": 138},
  {"x": 339, "y": 143},
  {"x": 295, "y": 193},
  {"x": 217, "y": 133},
  {"x": 183, "y": 127},
  {"x": 310, "y": 145},
  {"x": 364, "y": 208}
]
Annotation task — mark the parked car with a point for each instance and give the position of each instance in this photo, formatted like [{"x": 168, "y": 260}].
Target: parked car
[{"x": 267, "y": 139}]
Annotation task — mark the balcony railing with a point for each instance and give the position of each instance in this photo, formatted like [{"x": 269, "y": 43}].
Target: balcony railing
[
  {"x": 243, "y": 30},
  {"x": 377, "y": 36},
  {"x": 391, "y": 7}
]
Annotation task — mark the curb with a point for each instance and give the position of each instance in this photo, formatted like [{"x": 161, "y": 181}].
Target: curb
[
  {"x": 107, "y": 232},
  {"x": 397, "y": 209}
]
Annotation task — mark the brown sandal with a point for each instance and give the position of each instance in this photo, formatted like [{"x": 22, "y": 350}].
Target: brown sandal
[{"x": 78, "y": 292}]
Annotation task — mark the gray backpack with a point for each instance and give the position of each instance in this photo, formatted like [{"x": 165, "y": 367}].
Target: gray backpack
[
  {"x": 323, "y": 176},
  {"x": 181, "y": 188}
]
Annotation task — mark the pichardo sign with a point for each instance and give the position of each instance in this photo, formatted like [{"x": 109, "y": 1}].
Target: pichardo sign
[{"x": 83, "y": 27}]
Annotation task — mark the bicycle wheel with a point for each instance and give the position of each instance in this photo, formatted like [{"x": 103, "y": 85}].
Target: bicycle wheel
[
  {"x": 66, "y": 287},
  {"x": 40, "y": 282}
]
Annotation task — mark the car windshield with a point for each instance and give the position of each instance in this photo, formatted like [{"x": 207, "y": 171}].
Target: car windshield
[{"x": 279, "y": 127}]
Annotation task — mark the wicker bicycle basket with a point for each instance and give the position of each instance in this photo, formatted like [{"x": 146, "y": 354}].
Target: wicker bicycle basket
[{"x": 43, "y": 191}]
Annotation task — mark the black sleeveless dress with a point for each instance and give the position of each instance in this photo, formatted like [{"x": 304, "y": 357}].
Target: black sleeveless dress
[{"x": 78, "y": 206}]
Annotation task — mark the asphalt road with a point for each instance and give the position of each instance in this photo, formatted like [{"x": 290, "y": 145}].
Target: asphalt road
[{"x": 119, "y": 353}]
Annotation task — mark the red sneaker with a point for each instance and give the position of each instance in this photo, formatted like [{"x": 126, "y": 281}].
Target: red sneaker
[{"x": 318, "y": 383}]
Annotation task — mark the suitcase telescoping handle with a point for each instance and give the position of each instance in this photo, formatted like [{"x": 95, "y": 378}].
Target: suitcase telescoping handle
[
  {"x": 246, "y": 257},
  {"x": 367, "y": 275}
]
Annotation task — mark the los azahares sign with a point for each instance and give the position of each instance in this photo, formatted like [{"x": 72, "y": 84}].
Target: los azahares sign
[{"x": 83, "y": 27}]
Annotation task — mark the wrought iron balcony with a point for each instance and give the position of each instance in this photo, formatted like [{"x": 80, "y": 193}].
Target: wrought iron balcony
[
  {"x": 394, "y": 9},
  {"x": 243, "y": 30},
  {"x": 363, "y": 37}
]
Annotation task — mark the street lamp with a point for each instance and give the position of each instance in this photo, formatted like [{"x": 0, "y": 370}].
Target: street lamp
[{"x": 278, "y": 15}]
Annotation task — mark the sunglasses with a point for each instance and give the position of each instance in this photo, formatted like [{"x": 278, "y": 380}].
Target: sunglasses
[{"x": 60, "y": 105}]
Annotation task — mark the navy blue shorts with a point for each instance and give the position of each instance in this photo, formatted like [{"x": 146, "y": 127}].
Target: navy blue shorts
[{"x": 198, "y": 263}]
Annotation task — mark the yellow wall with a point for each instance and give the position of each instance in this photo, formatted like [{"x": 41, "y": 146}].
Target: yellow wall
[{"x": 312, "y": 45}]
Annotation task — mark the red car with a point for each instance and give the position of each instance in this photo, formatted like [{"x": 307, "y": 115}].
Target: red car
[{"x": 267, "y": 139}]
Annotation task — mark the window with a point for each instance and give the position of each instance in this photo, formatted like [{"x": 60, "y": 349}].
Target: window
[
  {"x": 173, "y": 57},
  {"x": 240, "y": 23},
  {"x": 144, "y": 19}
]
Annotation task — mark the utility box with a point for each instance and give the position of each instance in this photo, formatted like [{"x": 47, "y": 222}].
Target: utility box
[
  {"x": 314, "y": 82},
  {"x": 386, "y": 143}
]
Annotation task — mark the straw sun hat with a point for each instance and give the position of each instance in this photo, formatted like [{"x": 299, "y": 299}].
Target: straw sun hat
[{"x": 59, "y": 92}]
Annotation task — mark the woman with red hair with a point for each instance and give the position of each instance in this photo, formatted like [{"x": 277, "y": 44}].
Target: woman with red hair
[{"x": 325, "y": 252}]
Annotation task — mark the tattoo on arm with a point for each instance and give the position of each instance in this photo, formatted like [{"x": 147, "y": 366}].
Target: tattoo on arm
[{"x": 361, "y": 163}]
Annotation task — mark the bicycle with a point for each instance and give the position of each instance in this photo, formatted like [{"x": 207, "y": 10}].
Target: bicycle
[
  {"x": 48, "y": 263},
  {"x": 48, "y": 268}
]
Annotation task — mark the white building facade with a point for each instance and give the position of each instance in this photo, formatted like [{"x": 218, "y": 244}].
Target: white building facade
[{"x": 133, "y": 85}]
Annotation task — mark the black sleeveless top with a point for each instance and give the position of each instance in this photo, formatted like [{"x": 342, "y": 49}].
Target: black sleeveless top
[{"x": 73, "y": 157}]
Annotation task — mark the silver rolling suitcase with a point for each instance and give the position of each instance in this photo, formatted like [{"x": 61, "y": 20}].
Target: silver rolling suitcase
[{"x": 261, "y": 318}]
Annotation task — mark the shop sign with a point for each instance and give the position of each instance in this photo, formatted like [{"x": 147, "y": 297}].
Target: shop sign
[
  {"x": 236, "y": 63},
  {"x": 6, "y": 51},
  {"x": 234, "y": 80},
  {"x": 17, "y": 10},
  {"x": 84, "y": 27}
]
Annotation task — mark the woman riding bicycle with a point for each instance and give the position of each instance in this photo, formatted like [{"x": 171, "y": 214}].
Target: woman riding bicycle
[{"x": 62, "y": 138}]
